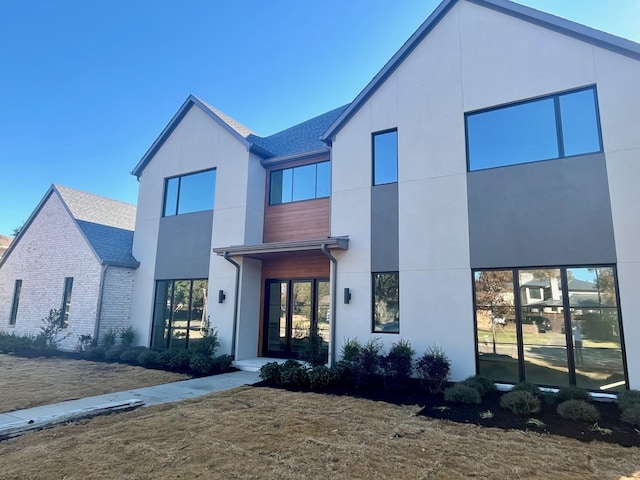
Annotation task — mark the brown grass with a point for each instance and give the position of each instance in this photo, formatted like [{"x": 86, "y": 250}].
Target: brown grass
[
  {"x": 26, "y": 382},
  {"x": 265, "y": 433}
]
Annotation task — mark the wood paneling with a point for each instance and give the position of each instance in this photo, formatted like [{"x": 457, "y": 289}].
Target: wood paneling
[
  {"x": 297, "y": 221},
  {"x": 297, "y": 265}
]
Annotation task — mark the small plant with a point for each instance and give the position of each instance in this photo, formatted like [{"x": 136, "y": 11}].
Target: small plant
[
  {"x": 315, "y": 349},
  {"x": 366, "y": 363},
  {"x": 434, "y": 368},
  {"x": 578, "y": 410},
  {"x": 461, "y": 393},
  {"x": 201, "y": 363},
  {"x": 293, "y": 374},
  {"x": 320, "y": 377},
  {"x": 208, "y": 344},
  {"x": 397, "y": 365},
  {"x": 109, "y": 338},
  {"x": 127, "y": 336},
  {"x": 112, "y": 354},
  {"x": 537, "y": 423},
  {"x": 339, "y": 373},
  {"x": 95, "y": 354},
  {"x": 222, "y": 363},
  {"x": 631, "y": 415},
  {"x": 53, "y": 325},
  {"x": 179, "y": 359},
  {"x": 150, "y": 359},
  {"x": 599, "y": 429},
  {"x": 130, "y": 355},
  {"x": 350, "y": 349},
  {"x": 270, "y": 372},
  {"x": 527, "y": 387},
  {"x": 520, "y": 402},
  {"x": 572, "y": 393},
  {"x": 487, "y": 414},
  {"x": 85, "y": 342},
  {"x": 480, "y": 383},
  {"x": 628, "y": 398}
]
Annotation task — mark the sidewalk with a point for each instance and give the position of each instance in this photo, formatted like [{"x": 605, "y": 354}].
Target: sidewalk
[{"x": 13, "y": 424}]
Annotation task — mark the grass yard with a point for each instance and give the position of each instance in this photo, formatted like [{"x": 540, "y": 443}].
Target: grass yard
[
  {"x": 265, "y": 433},
  {"x": 31, "y": 382}
]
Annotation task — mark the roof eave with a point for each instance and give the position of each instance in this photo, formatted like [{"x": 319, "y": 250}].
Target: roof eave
[{"x": 295, "y": 156}]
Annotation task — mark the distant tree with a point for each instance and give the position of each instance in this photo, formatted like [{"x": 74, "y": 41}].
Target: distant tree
[{"x": 16, "y": 231}]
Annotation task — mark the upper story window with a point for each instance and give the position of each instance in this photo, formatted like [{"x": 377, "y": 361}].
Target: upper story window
[
  {"x": 189, "y": 193},
  {"x": 385, "y": 157},
  {"x": 16, "y": 301},
  {"x": 66, "y": 302},
  {"x": 556, "y": 126},
  {"x": 300, "y": 183}
]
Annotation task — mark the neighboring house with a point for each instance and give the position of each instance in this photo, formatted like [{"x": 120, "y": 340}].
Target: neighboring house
[
  {"x": 409, "y": 220},
  {"x": 72, "y": 254},
  {"x": 4, "y": 244}
]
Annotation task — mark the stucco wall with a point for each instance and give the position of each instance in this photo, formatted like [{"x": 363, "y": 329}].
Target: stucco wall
[{"x": 51, "y": 249}]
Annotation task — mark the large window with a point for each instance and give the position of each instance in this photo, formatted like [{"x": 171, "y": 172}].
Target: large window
[
  {"x": 179, "y": 318},
  {"x": 557, "y": 126},
  {"x": 385, "y": 157},
  {"x": 66, "y": 302},
  {"x": 189, "y": 193},
  {"x": 300, "y": 183},
  {"x": 16, "y": 300},
  {"x": 386, "y": 302},
  {"x": 550, "y": 326}
]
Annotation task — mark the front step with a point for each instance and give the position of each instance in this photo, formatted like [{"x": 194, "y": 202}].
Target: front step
[{"x": 254, "y": 364}]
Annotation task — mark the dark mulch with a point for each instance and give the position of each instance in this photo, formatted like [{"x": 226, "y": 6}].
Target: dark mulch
[{"x": 435, "y": 407}]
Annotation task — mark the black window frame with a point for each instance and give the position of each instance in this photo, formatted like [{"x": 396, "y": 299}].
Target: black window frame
[
  {"x": 177, "y": 205},
  {"x": 17, "y": 289},
  {"x": 65, "y": 309},
  {"x": 558, "y": 121},
  {"x": 292, "y": 169},
  {"x": 374, "y": 298},
  {"x": 374, "y": 182}
]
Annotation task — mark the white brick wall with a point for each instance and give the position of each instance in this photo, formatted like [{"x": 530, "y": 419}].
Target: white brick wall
[
  {"x": 51, "y": 249},
  {"x": 116, "y": 301}
]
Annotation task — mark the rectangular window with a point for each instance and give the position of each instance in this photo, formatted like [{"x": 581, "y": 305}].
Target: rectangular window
[
  {"x": 16, "y": 300},
  {"x": 180, "y": 313},
  {"x": 386, "y": 302},
  {"x": 194, "y": 192},
  {"x": 66, "y": 302},
  {"x": 300, "y": 183},
  {"x": 385, "y": 157},
  {"x": 547, "y": 128}
]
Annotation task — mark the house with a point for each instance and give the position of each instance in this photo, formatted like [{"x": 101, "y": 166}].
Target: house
[
  {"x": 73, "y": 254},
  {"x": 406, "y": 214},
  {"x": 4, "y": 244}
]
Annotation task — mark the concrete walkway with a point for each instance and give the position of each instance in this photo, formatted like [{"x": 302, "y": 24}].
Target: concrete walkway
[{"x": 13, "y": 424}]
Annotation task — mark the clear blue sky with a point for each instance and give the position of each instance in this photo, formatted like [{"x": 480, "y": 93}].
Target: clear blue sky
[{"x": 86, "y": 86}]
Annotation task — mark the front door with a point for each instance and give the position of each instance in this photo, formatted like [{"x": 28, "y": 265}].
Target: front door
[{"x": 296, "y": 318}]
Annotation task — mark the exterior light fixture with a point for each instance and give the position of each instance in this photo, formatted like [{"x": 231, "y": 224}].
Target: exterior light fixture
[
  {"x": 221, "y": 296},
  {"x": 347, "y": 295}
]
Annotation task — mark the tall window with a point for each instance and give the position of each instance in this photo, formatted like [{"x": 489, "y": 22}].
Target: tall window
[
  {"x": 300, "y": 183},
  {"x": 66, "y": 301},
  {"x": 569, "y": 332},
  {"x": 16, "y": 300},
  {"x": 386, "y": 302},
  {"x": 385, "y": 157},
  {"x": 179, "y": 318},
  {"x": 194, "y": 192},
  {"x": 546, "y": 128}
]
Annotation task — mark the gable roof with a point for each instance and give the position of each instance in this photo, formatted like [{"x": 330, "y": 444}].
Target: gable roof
[
  {"x": 106, "y": 224},
  {"x": 546, "y": 20}
]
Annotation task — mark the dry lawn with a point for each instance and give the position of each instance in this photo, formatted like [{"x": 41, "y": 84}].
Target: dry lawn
[
  {"x": 26, "y": 382},
  {"x": 265, "y": 433}
]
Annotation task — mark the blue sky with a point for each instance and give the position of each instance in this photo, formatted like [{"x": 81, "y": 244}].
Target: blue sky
[{"x": 86, "y": 86}]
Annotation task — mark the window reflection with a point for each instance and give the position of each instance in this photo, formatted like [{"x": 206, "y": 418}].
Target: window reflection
[
  {"x": 385, "y": 157},
  {"x": 299, "y": 183},
  {"x": 386, "y": 305},
  {"x": 190, "y": 193}
]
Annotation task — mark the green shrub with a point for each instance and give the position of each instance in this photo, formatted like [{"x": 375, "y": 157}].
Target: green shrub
[
  {"x": 631, "y": 414},
  {"x": 461, "y": 393},
  {"x": 95, "y": 354},
  {"x": 127, "y": 336},
  {"x": 520, "y": 402},
  {"x": 112, "y": 354},
  {"x": 482, "y": 384},
  {"x": 397, "y": 365},
  {"x": 222, "y": 363},
  {"x": 339, "y": 373},
  {"x": 130, "y": 355},
  {"x": 527, "y": 387},
  {"x": 572, "y": 393},
  {"x": 201, "y": 364},
  {"x": 578, "y": 410},
  {"x": 85, "y": 342},
  {"x": 366, "y": 363},
  {"x": 434, "y": 368},
  {"x": 208, "y": 344},
  {"x": 150, "y": 359},
  {"x": 52, "y": 327},
  {"x": 293, "y": 374},
  {"x": 628, "y": 398},
  {"x": 350, "y": 349},
  {"x": 109, "y": 338},
  {"x": 270, "y": 373},
  {"x": 320, "y": 377},
  {"x": 315, "y": 350},
  {"x": 179, "y": 359}
]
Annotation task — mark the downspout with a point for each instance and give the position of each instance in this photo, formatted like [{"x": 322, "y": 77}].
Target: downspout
[
  {"x": 334, "y": 289},
  {"x": 226, "y": 256},
  {"x": 96, "y": 329}
]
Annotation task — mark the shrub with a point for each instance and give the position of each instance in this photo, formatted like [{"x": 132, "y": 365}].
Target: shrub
[
  {"x": 201, "y": 364},
  {"x": 366, "y": 363},
  {"x": 339, "y": 373},
  {"x": 53, "y": 325},
  {"x": 315, "y": 351},
  {"x": 95, "y": 354},
  {"x": 222, "y": 363},
  {"x": 482, "y": 384},
  {"x": 628, "y": 398},
  {"x": 572, "y": 393},
  {"x": 112, "y": 354},
  {"x": 434, "y": 369},
  {"x": 578, "y": 410},
  {"x": 208, "y": 344},
  {"x": 150, "y": 359},
  {"x": 631, "y": 414},
  {"x": 320, "y": 377},
  {"x": 350, "y": 349},
  {"x": 461, "y": 393},
  {"x": 130, "y": 355},
  {"x": 397, "y": 365},
  {"x": 527, "y": 387},
  {"x": 293, "y": 373},
  {"x": 127, "y": 336},
  {"x": 85, "y": 342},
  {"x": 270, "y": 373},
  {"x": 520, "y": 402},
  {"x": 179, "y": 359},
  {"x": 109, "y": 338}
]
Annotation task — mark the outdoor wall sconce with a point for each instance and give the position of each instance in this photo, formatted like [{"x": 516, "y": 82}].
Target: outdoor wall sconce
[
  {"x": 347, "y": 295},
  {"x": 221, "y": 296}
]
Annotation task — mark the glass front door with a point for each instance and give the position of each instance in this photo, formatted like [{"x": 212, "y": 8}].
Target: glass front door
[{"x": 296, "y": 318}]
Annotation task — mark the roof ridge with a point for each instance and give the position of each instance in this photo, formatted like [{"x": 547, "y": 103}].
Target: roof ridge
[
  {"x": 64, "y": 187},
  {"x": 241, "y": 129}
]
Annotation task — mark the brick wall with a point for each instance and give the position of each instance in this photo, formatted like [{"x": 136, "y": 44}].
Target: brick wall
[
  {"x": 116, "y": 301},
  {"x": 51, "y": 249}
]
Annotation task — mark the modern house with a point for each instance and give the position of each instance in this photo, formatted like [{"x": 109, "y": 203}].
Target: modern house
[
  {"x": 484, "y": 183},
  {"x": 73, "y": 254},
  {"x": 4, "y": 244}
]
